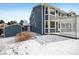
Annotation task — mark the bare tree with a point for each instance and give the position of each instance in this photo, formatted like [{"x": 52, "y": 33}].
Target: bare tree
[
  {"x": 1, "y": 21},
  {"x": 12, "y": 22},
  {"x": 21, "y": 22}
]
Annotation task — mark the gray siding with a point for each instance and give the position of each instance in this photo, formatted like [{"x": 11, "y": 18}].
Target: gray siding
[
  {"x": 36, "y": 20},
  {"x": 12, "y": 30}
]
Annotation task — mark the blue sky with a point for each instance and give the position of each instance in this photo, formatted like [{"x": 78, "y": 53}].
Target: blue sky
[{"x": 18, "y": 11}]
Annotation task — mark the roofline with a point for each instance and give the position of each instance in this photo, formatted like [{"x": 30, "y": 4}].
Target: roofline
[{"x": 45, "y": 4}]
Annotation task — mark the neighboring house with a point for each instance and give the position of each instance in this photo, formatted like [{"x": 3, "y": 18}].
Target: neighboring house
[
  {"x": 12, "y": 28},
  {"x": 1, "y": 28},
  {"x": 47, "y": 19},
  {"x": 9, "y": 30},
  {"x": 71, "y": 13},
  {"x": 26, "y": 26}
]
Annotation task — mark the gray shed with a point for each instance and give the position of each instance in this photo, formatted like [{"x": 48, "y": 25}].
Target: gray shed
[{"x": 12, "y": 30}]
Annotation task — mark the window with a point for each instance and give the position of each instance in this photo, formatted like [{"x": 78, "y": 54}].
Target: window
[
  {"x": 56, "y": 11},
  {"x": 59, "y": 14},
  {"x": 46, "y": 8},
  {"x": 46, "y": 12},
  {"x": 52, "y": 24},
  {"x": 46, "y": 17},
  {"x": 52, "y": 12},
  {"x": 46, "y": 25}
]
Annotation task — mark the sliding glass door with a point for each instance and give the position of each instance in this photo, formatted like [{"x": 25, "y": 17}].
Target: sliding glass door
[
  {"x": 54, "y": 26},
  {"x": 51, "y": 27}
]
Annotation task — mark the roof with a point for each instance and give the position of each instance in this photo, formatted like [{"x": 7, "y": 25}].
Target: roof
[
  {"x": 45, "y": 4},
  {"x": 26, "y": 23},
  {"x": 62, "y": 11}
]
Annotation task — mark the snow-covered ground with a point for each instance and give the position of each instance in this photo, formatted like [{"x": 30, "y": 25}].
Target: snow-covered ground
[{"x": 40, "y": 45}]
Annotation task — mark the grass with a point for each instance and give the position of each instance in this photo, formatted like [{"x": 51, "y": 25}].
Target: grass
[{"x": 23, "y": 36}]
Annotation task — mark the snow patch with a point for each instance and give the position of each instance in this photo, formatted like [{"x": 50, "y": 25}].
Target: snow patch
[{"x": 41, "y": 45}]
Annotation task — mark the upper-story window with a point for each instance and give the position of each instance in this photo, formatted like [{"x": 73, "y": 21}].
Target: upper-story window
[
  {"x": 56, "y": 11},
  {"x": 46, "y": 8},
  {"x": 46, "y": 17},
  {"x": 59, "y": 14},
  {"x": 52, "y": 12},
  {"x": 46, "y": 11}
]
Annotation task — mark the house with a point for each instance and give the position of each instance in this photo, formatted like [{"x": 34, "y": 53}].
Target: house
[
  {"x": 40, "y": 21},
  {"x": 9, "y": 30},
  {"x": 25, "y": 26},
  {"x": 44, "y": 19},
  {"x": 47, "y": 19}
]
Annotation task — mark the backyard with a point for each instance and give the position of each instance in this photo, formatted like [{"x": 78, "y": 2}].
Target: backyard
[{"x": 40, "y": 45}]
